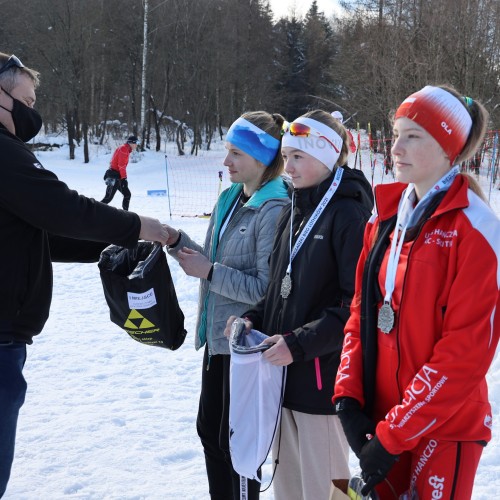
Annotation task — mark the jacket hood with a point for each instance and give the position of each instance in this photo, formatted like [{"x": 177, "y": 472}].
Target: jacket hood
[
  {"x": 355, "y": 185},
  {"x": 275, "y": 188}
]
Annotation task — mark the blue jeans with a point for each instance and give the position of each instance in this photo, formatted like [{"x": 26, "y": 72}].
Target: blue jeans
[{"x": 12, "y": 393}]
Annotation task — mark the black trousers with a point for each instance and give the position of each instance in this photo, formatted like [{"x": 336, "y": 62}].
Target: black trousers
[
  {"x": 213, "y": 428},
  {"x": 118, "y": 186}
]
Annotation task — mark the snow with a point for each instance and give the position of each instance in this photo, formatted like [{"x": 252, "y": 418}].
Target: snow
[
  {"x": 284, "y": 8},
  {"x": 108, "y": 418}
]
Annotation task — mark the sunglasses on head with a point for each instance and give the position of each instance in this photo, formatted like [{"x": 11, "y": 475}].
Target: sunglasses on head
[
  {"x": 12, "y": 62},
  {"x": 302, "y": 130}
]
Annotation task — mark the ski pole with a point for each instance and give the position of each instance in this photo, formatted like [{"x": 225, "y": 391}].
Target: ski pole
[
  {"x": 493, "y": 166},
  {"x": 357, "y": 149},
  {"x": 370, "y": 148}
]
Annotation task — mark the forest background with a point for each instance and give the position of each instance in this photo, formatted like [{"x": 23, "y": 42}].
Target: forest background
[{"x": 207, "y": 61}]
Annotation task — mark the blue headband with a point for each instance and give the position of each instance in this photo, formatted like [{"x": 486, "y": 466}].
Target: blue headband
[{"x": 253, "y": 141}]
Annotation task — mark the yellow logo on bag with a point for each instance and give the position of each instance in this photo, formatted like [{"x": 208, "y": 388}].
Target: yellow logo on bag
[{"x": 136, "y": 321}]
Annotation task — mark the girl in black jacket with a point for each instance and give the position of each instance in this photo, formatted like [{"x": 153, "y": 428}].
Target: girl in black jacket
[{"x": 312, "y": 270}]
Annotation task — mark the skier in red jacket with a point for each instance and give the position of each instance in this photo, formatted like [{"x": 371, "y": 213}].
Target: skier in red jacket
[
  {"x": 116, "y": 175},
  {"x": 411, "y": 391}
]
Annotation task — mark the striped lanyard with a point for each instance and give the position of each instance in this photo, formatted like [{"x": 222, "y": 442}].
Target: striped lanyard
[
  {"x": 407, "y": 216},
  {"x": 314, "y": 218}
]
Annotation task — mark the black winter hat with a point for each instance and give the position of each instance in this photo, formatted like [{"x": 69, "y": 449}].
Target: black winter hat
[{"x": 132, "y": 140}]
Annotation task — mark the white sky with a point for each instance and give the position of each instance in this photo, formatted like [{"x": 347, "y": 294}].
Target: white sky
[{"x": 282, "y": 8}]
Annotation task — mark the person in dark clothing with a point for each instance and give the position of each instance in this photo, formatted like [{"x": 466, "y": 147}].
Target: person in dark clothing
[
  {"x": 41, "y": 220},
  {"x": 116, "y": 175},
  {"x": 312, "y": 270}
]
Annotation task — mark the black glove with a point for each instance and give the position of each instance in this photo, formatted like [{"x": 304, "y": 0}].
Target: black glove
[
  {"x": 124, "y": 183},
  {"x": 355, "y": 423},
  {"x": 375, "y": 462}
]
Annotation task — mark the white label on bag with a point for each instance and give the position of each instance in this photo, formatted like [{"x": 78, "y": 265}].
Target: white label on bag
[{"x": 142, "y": 300}]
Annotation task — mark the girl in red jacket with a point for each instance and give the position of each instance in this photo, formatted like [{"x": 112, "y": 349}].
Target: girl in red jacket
[{"x": 411, "y": 390}]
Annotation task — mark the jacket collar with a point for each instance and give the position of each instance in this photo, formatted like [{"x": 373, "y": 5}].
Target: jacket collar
[
  {"x": 387, "y": 197},
  {"x": 275, "y": 188}
]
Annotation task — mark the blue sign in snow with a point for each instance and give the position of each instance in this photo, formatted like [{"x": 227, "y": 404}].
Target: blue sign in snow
[{"x": 157, "y": 192}]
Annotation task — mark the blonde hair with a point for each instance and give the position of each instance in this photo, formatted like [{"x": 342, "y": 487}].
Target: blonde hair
[
  {"x": 9, "y": 79},
  {"x": 328, "y": 120},
  {"x": 475, "y": 187},
  {"x": 271, "y": 124}
]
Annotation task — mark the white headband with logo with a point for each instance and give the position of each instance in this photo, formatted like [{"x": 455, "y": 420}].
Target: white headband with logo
[{"x": 323, "y": 143}]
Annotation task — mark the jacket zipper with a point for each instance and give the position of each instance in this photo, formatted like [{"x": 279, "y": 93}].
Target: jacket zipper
[
  {"x": 219, "y": 247},
  {"x": 319, "y": 382},
  {"x": 401, "y": 303}
]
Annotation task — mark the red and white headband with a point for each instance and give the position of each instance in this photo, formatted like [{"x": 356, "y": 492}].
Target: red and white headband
[{"x": 442, "y": 115}]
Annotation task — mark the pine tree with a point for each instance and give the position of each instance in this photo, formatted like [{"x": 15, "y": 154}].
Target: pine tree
[{"x": 292, "y": 84}]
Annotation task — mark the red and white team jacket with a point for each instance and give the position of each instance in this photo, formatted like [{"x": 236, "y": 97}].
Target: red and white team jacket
[{"x": 430, "y": 369}]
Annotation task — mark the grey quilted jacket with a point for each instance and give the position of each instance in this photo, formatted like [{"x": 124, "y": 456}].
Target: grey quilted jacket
[{"x": 241, "y": 259}]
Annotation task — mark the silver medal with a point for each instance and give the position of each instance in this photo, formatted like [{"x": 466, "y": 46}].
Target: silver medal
[
  {"x": 386, "y": 318},
  {"x": 286, "y": 285}
]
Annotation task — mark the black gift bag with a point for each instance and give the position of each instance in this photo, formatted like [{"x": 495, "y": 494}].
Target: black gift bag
[{"x": 140, "y": 293}]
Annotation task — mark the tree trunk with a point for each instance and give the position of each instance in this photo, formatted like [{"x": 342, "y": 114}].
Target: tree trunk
[
  {"x": 86, "y": 157},
  {"x": 180, "y": 138},
  {"x": 71, "y": 134}
]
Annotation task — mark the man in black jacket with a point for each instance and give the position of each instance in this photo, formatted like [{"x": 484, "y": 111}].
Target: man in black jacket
[{"x": 41, "y": 220}]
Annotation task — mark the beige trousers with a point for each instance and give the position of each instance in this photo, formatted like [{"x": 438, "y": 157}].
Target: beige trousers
[
  {"x": 336, "y": 494},
  {"x": 312, "y": 451}
]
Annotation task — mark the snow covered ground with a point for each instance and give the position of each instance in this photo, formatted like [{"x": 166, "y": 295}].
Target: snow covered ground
[{"x": 108, "y": 418}]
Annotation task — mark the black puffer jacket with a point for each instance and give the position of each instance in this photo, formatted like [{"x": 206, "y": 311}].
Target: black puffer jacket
[
  {"x": 42, "y": 220},
  {"x": 312, "y": 318}
]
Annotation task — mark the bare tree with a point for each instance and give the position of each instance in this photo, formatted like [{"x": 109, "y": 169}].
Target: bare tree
[{"x": 208, "y": 61}]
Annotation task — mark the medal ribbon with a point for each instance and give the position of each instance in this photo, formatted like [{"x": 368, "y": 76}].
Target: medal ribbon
[
  {"x": 314, "y": 218},
  {"x": 407, "y": 216},
  {"x": 228, "y": 218}
]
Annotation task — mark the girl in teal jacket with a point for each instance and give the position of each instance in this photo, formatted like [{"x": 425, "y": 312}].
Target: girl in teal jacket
[{"x": 233, "y": 265}]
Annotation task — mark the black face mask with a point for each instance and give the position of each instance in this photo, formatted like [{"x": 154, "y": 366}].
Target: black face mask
[{"x": 27, "y": 121}]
